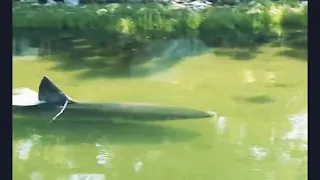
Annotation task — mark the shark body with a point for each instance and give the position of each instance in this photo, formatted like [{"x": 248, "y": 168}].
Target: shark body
[{"x": 51, "y": 101}]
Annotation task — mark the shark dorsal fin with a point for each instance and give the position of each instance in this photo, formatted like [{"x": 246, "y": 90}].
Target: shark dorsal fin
[{"x": 50, "y": 93}]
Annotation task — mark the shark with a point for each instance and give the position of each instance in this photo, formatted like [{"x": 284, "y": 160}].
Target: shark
[{"x": 51, "y": 102}]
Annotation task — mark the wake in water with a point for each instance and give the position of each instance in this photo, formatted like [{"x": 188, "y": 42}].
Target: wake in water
[{"x": 24, "y": 97}]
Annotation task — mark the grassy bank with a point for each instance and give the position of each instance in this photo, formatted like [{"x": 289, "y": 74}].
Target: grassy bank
[{"x": 244, "y": 24}]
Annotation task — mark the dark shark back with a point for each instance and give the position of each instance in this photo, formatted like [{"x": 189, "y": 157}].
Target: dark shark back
[{"x": 50, "y": 93}]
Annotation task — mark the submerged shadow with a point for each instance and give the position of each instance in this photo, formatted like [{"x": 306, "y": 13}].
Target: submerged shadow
[
  {"x": 70, "y": 132},
  {"x": 262, "y": 99}
]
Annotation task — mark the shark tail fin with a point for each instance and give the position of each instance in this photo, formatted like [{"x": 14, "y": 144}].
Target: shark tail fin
[{"x": 50, "y": 93}]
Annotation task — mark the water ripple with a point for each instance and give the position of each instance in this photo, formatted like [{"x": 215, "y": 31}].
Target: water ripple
[
  {"x": 222, "y": 124},
  {"x": 104, "y": 155},
  {"x": 36, "y": 176},
  {"x": 299, "y": 129},
  {"x": 259, "y": 153},
  {"x": 24, "y": 148},
  {"x": 138, "y": 165},
  {"x": 87, "y": 177}
]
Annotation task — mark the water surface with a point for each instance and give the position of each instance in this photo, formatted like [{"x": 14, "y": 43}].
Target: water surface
[{"x": 260, "y": 98}]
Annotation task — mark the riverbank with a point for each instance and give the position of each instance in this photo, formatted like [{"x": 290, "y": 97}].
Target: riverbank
[{"x": 216, "y": 26}]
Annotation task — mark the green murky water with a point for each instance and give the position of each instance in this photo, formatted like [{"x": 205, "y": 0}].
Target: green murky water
[{"x": 260, "y": 98}]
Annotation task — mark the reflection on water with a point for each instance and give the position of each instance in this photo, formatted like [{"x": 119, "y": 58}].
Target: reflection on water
[
  {"x": 299, "y": 127},
  {"x": 161, "y": 55},
  {"x": 104, "y": 156},
  {"x": 297, "y": 140},
  {"x": 138, "y": 165},
  {"x": 36, "y": 176},
  {"x": 86, "y": 176},
  {"x": 105, "y": 153},
  {"x": 153, "y": 59},
  {"x": 221, "y": 124},
  {"x": 22, "y": 47},
  {"x": 24, "y": 146},
  {"x": 259, "y": 153}
]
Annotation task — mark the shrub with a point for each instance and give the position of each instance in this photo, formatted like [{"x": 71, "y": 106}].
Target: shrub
[
  {"x": 242, "y": 25},
  {"x": 294, "y": 24}
]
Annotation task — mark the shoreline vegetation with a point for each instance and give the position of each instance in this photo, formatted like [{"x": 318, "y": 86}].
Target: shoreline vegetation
[{"x": 241, "y": 25}]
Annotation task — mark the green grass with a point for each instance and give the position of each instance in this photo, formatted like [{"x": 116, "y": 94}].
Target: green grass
[{"x": 218, "y": 26}]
